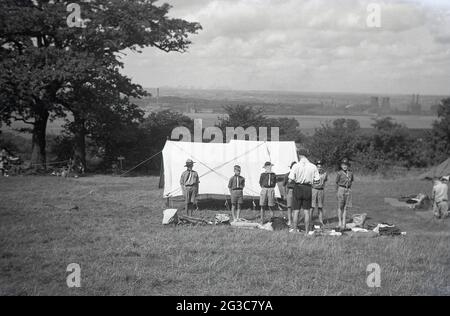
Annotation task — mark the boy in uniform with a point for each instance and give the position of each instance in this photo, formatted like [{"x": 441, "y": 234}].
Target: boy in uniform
[
  {"x": 318, "y": 192},
  {"x": 344, "y": 182},
  {"x": 267, "y": 181},
  {"x": 289, "y": 189},
  {"x": 236, "y": 186},
  {"x": 189, "y": 184}
]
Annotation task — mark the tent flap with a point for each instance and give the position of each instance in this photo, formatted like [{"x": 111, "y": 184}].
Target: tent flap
[{"x": 437, "y": 172}]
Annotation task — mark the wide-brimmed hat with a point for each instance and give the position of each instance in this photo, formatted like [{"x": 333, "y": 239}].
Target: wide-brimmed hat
[
  {"x": 345, "y": 161},
  {"x": 268, "y": 164},
  {"x": 189, "y": 162}
]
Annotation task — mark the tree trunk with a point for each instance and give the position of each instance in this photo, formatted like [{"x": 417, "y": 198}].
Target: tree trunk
[
  {"x": 80, "y": 139},
  {"x": 38, "y": 147}
]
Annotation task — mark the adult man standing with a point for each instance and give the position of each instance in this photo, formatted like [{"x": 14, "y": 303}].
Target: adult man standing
[
  {"x": 189, "y": 184},
  {"x": 304, "y": 174},
  {"x": 440, "y": 197}
]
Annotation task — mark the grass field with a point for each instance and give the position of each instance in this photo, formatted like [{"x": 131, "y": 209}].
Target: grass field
[{"x": 112, "y": 228}]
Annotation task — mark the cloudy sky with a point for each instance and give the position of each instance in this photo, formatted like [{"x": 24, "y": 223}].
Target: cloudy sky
[{"x": 308, "y": 46}]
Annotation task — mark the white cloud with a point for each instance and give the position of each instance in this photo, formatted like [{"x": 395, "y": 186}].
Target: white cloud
[{"x": 318, "y": 45}]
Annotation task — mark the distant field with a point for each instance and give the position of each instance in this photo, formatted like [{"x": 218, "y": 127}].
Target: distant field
[
  {"x": 112, "y": 227},
  {"x": 307, "y": 122},
  {"x": 310, "y": 122}
]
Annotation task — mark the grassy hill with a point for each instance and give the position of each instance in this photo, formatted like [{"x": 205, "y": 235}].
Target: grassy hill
[{"x": 112, "y": 228}]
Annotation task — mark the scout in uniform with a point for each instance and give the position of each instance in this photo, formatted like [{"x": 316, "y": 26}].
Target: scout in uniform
[
  {"x": 318, "y": 192},
  {"x": 440, "y": 198},
  {"x": 267, "y": 181},
  {"x": 289, "y": 189},
  {"x": 236, "y": 186},
  {"x": 344, "y": 182},
  {"x": 189, "y": 184}
]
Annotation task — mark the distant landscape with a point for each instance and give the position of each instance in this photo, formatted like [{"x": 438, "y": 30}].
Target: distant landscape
[{"x": 310, "y": 109}]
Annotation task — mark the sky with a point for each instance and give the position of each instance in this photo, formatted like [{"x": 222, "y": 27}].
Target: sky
[{"x": 306, "y": 46}]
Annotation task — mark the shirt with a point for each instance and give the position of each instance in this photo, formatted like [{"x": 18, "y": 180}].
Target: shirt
[
  {"x": 268, "y": 180},
  {"x": 322, "y": 181},
  {"x": 189, "y": 178},
  {"x": 286, "y": 182},
  {"x": 344, "y": 179},
  {"x": 440, "y": 192},
  {"x": 304, "y": 172},
  {"x": 236, "y": 183}
]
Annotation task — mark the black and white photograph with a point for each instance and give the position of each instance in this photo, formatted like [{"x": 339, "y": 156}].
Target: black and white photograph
[{"x": 226, "y": 155}]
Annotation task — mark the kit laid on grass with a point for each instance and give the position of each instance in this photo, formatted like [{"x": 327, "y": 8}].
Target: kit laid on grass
[{"x": 358, "y": 228}]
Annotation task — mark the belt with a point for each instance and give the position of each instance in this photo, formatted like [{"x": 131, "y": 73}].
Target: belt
[
  {"x": 319, "y": 189},
  {"x": 305, "y": 184},
  {"x": 269, "y": 187},
  {"x": 442, "y": 202},
  {"x": 237, "y": 189},
  {"x": 343, "y": 186}
]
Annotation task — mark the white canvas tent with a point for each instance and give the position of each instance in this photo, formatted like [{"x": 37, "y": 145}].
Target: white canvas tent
[
  {"x": 442, "y": 170},
  {"x": 214, "y": 164}
]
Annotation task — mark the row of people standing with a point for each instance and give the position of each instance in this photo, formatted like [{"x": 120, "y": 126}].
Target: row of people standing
[{"x": 305, "y": 190}]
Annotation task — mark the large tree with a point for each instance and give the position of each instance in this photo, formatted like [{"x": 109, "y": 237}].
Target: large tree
[
  {"x": 48, "y": 68},
  {"x": 440, "y": 135}
]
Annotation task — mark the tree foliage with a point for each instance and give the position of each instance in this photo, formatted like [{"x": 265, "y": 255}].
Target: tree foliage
[
  {"x": 440, "y": 134},
  {"x": 333, "y": 142},
  {"x": 48, "y": 69}
]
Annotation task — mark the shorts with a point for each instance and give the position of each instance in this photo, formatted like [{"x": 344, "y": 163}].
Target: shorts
[
  {"x": 289, "y": 197},
  {"x": 302, "y": 197},
  {"x": 267, "y": 197},
  {"x": 237, "y": 197},
  {"x": 318, "y": 198},
  {"x": 344, "y": 197},
  {"x": 190, "y": 195},
  {"x": 441, "y": 209}
]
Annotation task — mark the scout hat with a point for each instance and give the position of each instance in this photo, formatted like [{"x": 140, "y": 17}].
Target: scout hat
[
  {"x": 345, "y": 161},
  {"x": 237, "y": 167},
  {"x": 189, "y": 162},
  {"x": 268, "y": 164}
]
